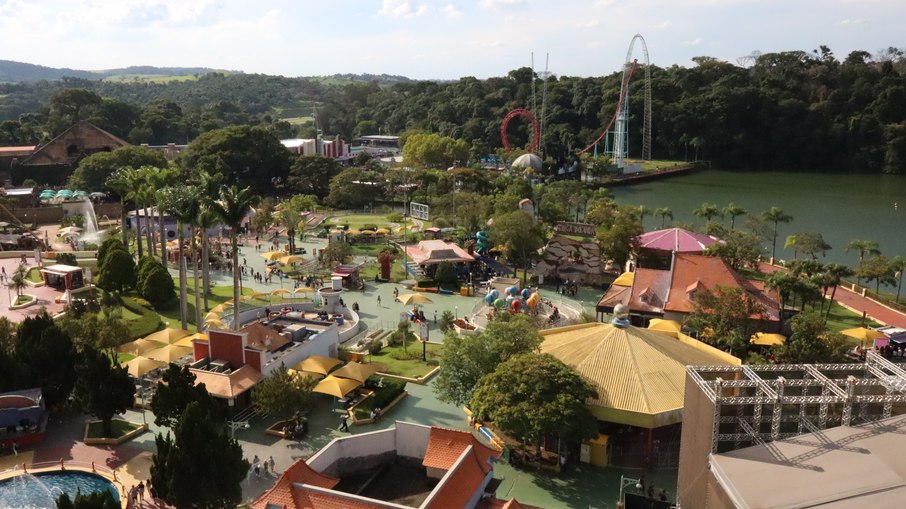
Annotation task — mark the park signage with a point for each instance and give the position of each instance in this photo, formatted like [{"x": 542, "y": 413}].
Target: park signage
[
  {"x": 420, "y": 211},
  {"x": 579, "y": 229}
]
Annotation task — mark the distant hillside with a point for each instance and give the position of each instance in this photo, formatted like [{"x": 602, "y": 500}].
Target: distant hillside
[
  {"x": 383, "y": 79},
  {"x": 11, "y": 71}
]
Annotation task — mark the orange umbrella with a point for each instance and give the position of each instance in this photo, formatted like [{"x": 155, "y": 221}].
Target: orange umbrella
[
  {"x": 335, "y": 386},
  {"x": 356, "y": 371},
  {"x": 318, "y": 364}
]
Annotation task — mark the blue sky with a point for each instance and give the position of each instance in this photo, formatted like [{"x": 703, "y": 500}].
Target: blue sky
[{"x": 431, "y": 39}]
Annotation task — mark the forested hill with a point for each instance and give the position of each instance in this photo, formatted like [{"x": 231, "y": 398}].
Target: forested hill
[
  {"x": 788, "y": 110},
  {"x": 15, "y": 72}
]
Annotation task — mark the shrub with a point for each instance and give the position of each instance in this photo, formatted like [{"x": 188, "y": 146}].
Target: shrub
[
  {"x": 67, "y": 259},
  {"x": 147, "y": 322},
  {"x": 117, "y": 271},
  {"x": 427, "y": 283},
  {"x": 108, "y": 245},
  {"x": 389, "y": 389},
  {"x": 446, "y": 320},
  {"x": 156, "y": 285},
  {"x": 440, "y": 222},
  {"x": 395, "y": 217},
  {"x": 446, "y": 274},
  {"x": 374, "y": 347},
  {"x": 369, "y": 226}
]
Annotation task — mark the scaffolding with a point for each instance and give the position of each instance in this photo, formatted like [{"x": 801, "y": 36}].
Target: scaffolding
[{"x": 757, "y": 404}]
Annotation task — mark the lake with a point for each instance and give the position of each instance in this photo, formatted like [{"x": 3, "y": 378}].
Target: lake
[{"x": 841, "y": 207}]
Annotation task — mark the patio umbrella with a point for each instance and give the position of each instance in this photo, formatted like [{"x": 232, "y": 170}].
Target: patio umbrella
[
  {"x": 767, "y": 339},
  {"x": 188, "y": 340},
  {"x": 304, "y": 289},
  {"x": 212, "y": 315},
  {"x": 140, "y": 366},
  {"x": 338, "y": 387},
  {"x": 220, "y": 308},
  {"x": 414, "y": 298},
  {"x": 281, "y": 291},
  {"x": 169, "y": 353},
  {"x": 214, "y": 324},
  {"x": 273, "y": 255},
  {"x": 256, "y": 295},
  {"x": 863, "y": 333},
  {"x": 356, "y": 371},
  {"x": 168, "y": 335},
  {"x": 3, "y": 224},
  {"x": 664, "y": 325},
  {"x": 382, "y": 231},
  {"x": 367, "y": 232},
  {"x": 140, "y": 346},
  {"x": 317, "y": 364},
  {"x": 286, "y": 260}
]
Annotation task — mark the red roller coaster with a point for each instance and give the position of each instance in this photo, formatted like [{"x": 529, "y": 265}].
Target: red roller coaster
[{"x": 536, "y": 129}]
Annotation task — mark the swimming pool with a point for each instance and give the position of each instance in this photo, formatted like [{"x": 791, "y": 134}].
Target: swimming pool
[{"x": 39, "y": 491}]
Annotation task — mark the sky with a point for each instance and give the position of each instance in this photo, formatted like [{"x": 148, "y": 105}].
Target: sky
[{"x": 428, "y": 39}]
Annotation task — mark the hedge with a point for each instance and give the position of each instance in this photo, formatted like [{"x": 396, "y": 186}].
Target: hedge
[
  {"x": 147, "y": 322},
  {"x": 391, "y": 388}
]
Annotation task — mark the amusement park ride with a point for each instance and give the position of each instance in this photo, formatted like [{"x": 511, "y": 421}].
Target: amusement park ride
[{"x": 616, "y": 134}]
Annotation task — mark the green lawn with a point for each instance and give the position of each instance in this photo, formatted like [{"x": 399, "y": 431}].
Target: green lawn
[
  {"x": 298, "y": 120},
  {"x": 841, "y": 318},
  {"x": 122, "y": 357},
  {"x": 34, "y": 275},
  {"x": 118, "y": 428},
  {"x": 22, "y": 299},
  {"x": 408, "y": 362}
]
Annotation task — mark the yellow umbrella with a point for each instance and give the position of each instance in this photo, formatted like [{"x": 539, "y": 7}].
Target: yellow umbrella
[
  {"x": 280, "y": 291},
  {"x": 863, "y": 334},
  {"x": 168, "y": 335},
  {"x": 767, "y": 339},
  {"x": 220, "y": 308},
  {"x": 304, "y": 289},
  {"x": 188, "y": 341},
  {"x": 356, "y": 371},
  {"x": 353, "y": 232},
  {"x": 212, "y": 315},
  {"x": 286, "y": 260},
  {"x": 664, "y": 325},
  {"x": 367, "y": 232},
  {"x": 318, "y": 364},
  {"x": 414, "y": 298},
  {"x": 139, "y": 366},
  {"x": 213, "y": 324},
  {"x": 140, "y": 346},
  {"x": 382, "y": 231},
  {"x": 169, "y": 353},
  {"x": 273, "y": 255},
  {"x": 338, "y": 387}
]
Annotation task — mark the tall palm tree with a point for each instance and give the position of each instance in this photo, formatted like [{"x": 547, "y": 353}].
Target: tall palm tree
[
  {"x": 145, "y": 193},
  {"x": 898, "y": 263},
  {"x": 784, "y": 284},
  {"x": 863, "y": 247},
  {"x": 119, "y": 182},
  {"x": 775, "y": 216},
  {"x": 707, "y": 211},
  {"x": 836, "y": 273},
  {"x": 208, "y": 185},
  {"x": 160, "y": 179},
  {"x": 127, "y": 182},
  {"x": 664, "y": 212},
  {"x": 178, "y": 204},
  {"x": 231, "y": 207},
  {"x": 733, "y": 210}
]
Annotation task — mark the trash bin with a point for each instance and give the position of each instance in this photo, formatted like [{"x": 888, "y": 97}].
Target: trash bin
[{"x": 465, "y": 291}]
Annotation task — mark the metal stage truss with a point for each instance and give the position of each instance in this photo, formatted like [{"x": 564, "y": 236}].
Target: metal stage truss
[{"x": 757, "y": 404}]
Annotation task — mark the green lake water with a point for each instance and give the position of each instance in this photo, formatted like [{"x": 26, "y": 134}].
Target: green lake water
[{"x": 841, "y": 207}]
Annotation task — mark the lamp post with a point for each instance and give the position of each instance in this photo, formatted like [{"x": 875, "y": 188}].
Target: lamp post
[
  {"x": 141, "y": 394},
  {"x": 624, "y": 482}
]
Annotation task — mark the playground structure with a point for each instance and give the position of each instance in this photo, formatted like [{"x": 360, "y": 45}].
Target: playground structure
[{"x": 616, "y": 141}]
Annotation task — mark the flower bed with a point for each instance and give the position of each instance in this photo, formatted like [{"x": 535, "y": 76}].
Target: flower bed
[{"x": 464, "y": 328}]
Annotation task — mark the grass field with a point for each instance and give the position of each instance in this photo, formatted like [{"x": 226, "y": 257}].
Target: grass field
[
  {"x": 34, "y": 275},
  {"x": 655, "y": 164},
  {"x": 148, "y": 78},
  {"x": 299, "y": 120},
  {"x": 408, "y": 362},
  {"x": 118, "y": 428}
]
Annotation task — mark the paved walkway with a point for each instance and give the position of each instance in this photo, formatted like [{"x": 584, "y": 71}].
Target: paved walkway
[{"x": 856, "y": 302}]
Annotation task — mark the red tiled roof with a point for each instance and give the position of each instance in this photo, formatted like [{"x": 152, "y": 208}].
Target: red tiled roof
[
  {"x": 459, "y": 487},
  {"x": 649, "y": 290},
  {"x": 282, "y": 494},
  {"x": 259, "y": 335},
  {"x": 697, "y": 272},
  {"x": 445, "y": 446},
  {"x": 496, "y": 503},
  {"x": 22, "y": 150}
]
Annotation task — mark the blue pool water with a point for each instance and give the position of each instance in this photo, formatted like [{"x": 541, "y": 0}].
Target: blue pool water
[{"x": 39, "y": 491}]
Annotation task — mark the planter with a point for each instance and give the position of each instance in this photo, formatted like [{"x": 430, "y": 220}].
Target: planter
[
  {"x": 114, "y": 441},
  {"x": 383, "y": 410},
  {"x": 34, "y": 300},
  {"x": 464, "y": 328},
  {"x": 277, "y": 429}
]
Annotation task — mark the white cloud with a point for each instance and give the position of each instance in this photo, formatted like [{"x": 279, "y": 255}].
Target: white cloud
[
  {"x": 401, "y": 9},
  {"x": 662, "y": 25},
  {"x": 502, "y": 3},
  {"x": 588, "y": 24},
  {"x": 851, "y": 22},
  {"x": 452, "y": 12},
  {"x": 693, "y": 42}
]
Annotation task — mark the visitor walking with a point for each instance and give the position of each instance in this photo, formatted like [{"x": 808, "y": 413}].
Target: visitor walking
[
  {"x": 141, "y": 491},
  {"x": 273, "y": 468},
  {"x": 344, "y": 422},
  {"x": 256, "y": 465},
  {"x": 379, "y": 301}
]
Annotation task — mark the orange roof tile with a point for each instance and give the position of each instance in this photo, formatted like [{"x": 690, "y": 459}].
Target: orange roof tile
[
  {"x": 264, "y": 338},
  {"x": 282, "y": 493},
  {"x": 458, "y": 488},
  {"x": 649, "y": 290},
  {"x": 445, "y": 446},
  {"x": 693, "y": 273}
]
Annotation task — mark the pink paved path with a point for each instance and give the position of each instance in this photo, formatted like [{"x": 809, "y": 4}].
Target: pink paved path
[{"x": 851, "y": 299}]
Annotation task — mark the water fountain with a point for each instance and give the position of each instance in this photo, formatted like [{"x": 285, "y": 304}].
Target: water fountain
[
  {"x": 91, "y": 232},
  {"x": 26, "y": 491}
]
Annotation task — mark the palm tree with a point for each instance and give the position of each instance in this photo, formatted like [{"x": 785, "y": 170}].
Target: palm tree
[
  {"x": 178, "y": 204},
  {"x": 160, "y": 179},
  {"x": 208, "y": 185},
  {"x": 643, "y": 211},
  {"x": 864, "y": 247},
  {"x": 231, "y": 207},
  {"x": 707, "y": 211},
  {"x": 791, "y": 244},
  {"x": 898, "y": 263},
  {"x": 733, "y": 210},
  {"x": 775, "y": 215},
  {"x": 18, "y": 281},
  {"x": 664, "y": 212},
  {"x": 836, "y": 272},
  {"x": 145, "y": 194},
  {"x": 784, "y": 284},
  {"x": 123, "y": 181}
]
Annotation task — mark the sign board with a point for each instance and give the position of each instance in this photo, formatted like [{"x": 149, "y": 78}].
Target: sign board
[
  {"x": 580, "y": 229},
  {"x": 420, "y": 211},
  {"x": 423, "y": 331}
]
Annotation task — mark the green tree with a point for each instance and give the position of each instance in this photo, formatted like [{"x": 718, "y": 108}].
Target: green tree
[
  {"x": 129, "y": 184},
  {"x": 811, "y": 244},
  {"x": 117, "y": 272},
  {"x": 336, "y": 253},
  {"x": 784, "y": 283},
  {"x": 110, "y": 244},
  {"x": 863, "y": 247},
  {"x": 445, "y": 275},
  {"x": 67, "y": 259},
  {"x": 283, "y": 394},
  {"x": 521, "y": 235},
  {"x": 733, "y": 210},
  {"x": 738, "y": 249},
  {"x": 246, "y": 156},
  {"x": 103, "y": 387},
  {"x": 156, "y": 285},
  {"x": 723, "y": 316},
  {"x": 877, "y": 268},
  {"x": 231, "y": 207},
  {"x": 532, "y": 395},
  {"x": 664, "y": 213},
  {"x": 898, "y": 264},
  {"x": 465, "y": 359},
  {"x": 350, "y": 189},
  {"x": 311, "y": 175},
  {"x": 93, "y": 171},
  {"x": 45, "y": 357},
  {"x": 811, "y": 342},
  {"x": 174, "y": 394},
  {"x": 836, "y": 272},
  {"x": 775, "y": 215},
  {"x": 70, "y": 105},
  {"x": 435, "y": 151},
  {"x": 618, "y": 230},
  {"x": 707, "y": 211},
  {"x": 200, "y": 467},
  {"x": 18, "y": 281}
]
